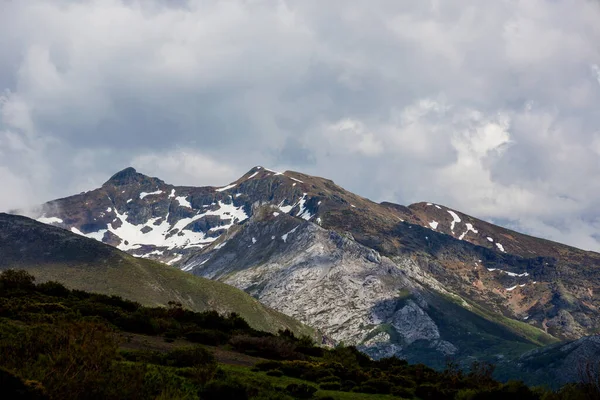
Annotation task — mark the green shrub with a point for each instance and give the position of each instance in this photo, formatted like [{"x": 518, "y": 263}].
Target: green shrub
[
  {"x": 190, "y": 357},
  {"x": 274, "y": 348},
  {"x": 329, "y": 378},
  {"x": 224, "y": 389},
  {"x": 301, "y": 391},
  {"x": 11, "y": 280},
  {"x": 267, "y": 365},
  {"x": 348, "y": 385},
  {"x": 275, "y": 372},
  {"x": 208, "y": 337},
  {"x": 54, "y": 289},
  {"x": 431, "y": 392},
  {"x": 330, "y": 386},
  {"x": 376, "y": 386},
  {"x": 403, "y": 392}
]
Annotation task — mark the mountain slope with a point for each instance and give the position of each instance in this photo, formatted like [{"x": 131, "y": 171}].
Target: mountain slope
[
  {"x": 54, "y": 254},
  {"x": 555, "y": 365},
  {"x": 354, "y": 294},
  {"x": 517, "y": 280}
]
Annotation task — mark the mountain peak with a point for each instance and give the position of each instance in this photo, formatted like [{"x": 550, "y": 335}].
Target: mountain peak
[{"x": 125, "y": 177}]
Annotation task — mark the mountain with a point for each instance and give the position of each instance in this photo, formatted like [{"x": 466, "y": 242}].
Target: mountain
[
  {"x": 50, "y": 253},
  {"x": 556, "y": 365},
  {"x": 419, "y": 281}
]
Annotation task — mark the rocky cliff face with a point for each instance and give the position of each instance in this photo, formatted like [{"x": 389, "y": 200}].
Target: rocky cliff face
[{"x": 431, "y": 262}]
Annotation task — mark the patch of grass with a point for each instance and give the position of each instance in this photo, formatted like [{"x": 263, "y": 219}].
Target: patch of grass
[{"x": 247, "y": 375}]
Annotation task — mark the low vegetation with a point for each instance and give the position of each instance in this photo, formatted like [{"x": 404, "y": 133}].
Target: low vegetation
[{"x": 57, "y": 343}]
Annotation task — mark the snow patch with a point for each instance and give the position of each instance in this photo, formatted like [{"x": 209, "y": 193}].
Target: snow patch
[
  {"x": 284, "y": 237},
  {"x": 220, "y": 245},
  {"x": 174, "y": 260},
  {"x": 275, "y": 214},
  {"x": 253, "y": 240},
  {"x": 183, "y": 202},
  {"x": 433, "y": 224},
  {"x": 50, "y": 220},
  {"x": 172, "y": 193},
  {"x": 500, "y": 247},
  {"x": 469, "y": 228},
  {"x": 304, "y": 212},
  {"x": 490, "y": 239},
  {"x": 153, "y": 253},
  {"x": 144, "y": 194},
  {"x": 455, "y": 219},
  {"x": 92, "y": 235},
  {"x": 129, "y": 201},
  {"x": 226, "y": 187}
]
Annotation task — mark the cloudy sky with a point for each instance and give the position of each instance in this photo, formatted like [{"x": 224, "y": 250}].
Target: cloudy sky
[{"x": 489, "y": 107}]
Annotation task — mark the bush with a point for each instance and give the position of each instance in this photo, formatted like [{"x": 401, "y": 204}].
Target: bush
[
  {"x": 16, "y": 280},
  {"x": 402, "y": 392},
  {"x": 268, "y": 347},
  {"x": 224, "y": 389},
  {"x": 330, "y": 386},
  {"x": 374, "y": 386},
  {"x": 301, "y": 391},
  {"x": 329, "y": 378},
  {"x": 54, "y": 289},
  {"x": 349, "y": 357},
  {"x": 275, "y": 372},
  {"x": 190, "y": 357},
  {"x": 267, "y": 365},
  {"x": 208, "y": 337},
  {"x": 430, "y": 392}
]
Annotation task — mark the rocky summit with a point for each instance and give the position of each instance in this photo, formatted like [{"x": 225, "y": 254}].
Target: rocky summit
[{"x": 423, "y": 282}]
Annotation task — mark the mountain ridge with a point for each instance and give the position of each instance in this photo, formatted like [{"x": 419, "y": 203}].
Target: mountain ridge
[{"x": 518, "y": 281}]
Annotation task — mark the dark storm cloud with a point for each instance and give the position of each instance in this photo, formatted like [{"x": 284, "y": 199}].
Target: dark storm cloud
[{"x": 488, "y": 107}]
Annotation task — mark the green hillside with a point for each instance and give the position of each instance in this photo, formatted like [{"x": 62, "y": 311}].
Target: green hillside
[
  {"x": 55, "y": 254},
  {"x": 57, "y": 343}
]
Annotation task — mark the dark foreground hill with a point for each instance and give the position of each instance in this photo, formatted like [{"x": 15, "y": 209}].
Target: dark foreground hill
[{"x": 57, "y": 343}]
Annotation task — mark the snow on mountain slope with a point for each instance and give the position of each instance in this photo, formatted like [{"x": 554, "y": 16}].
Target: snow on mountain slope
[{"x": 152, "y": 219}]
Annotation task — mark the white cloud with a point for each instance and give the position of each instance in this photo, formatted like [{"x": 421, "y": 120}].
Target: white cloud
[
  {"x": 351, "y": 137},
  {"x": 184, "y": 167},
  {"x": 489, "y": 107}
]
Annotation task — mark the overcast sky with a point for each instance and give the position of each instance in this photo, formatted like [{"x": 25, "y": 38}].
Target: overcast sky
[{"x": 489, "y": 107}]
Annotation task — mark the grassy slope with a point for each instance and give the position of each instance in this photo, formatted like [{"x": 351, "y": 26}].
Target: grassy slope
[{"x": 153, "y": 284}]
